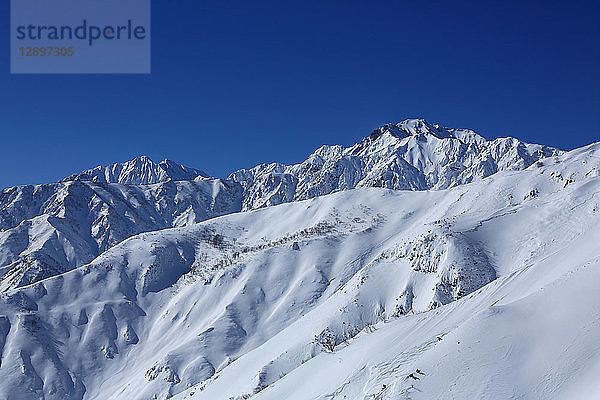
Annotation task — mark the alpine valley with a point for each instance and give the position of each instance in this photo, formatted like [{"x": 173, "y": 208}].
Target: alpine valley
[{"x": 423, "y": 262}]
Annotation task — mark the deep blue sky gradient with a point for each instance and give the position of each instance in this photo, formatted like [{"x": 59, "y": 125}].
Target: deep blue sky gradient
[{"x": 237, "y": 83}]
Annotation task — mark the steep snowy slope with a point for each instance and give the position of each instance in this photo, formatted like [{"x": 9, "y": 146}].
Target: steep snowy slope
[
  {"x": 341, "y": 296},
  {"x": 46, "y": 230},
  {"x": 412, "y": 154},
  {"x": 139, "y": 171}
]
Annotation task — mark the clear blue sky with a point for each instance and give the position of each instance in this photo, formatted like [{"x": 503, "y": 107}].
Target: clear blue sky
[{"x": 236, "y": 83}]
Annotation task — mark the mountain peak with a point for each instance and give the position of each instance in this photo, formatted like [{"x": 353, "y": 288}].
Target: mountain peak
[
  {"x": 416, "y": 127},
  {"x": 414, "y": 124},
  {"x": 139, "y": 171},
  {"x": 420, "y": 128},
  {"x": 410, "y": 155},
  {"x": 390, "y": 129},
  {"x": 411, "y": 127}
]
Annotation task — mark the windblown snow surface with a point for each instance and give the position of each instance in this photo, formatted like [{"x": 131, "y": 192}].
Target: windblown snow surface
[{"x": 486, "y": 290}]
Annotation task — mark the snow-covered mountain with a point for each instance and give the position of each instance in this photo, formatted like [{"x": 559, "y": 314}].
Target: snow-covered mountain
[
  {"x": 483, "y": 290},
  {"x": 49, "y": 229},
  {"x": 139, "y": 171},
  {"x": 411, "y": 155},
  {"x": 46, "y": 230}
]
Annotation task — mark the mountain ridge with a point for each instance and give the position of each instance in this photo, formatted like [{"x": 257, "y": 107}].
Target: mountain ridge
[
  {"x": 138, "y": 171},
  {"x": 410, "y": 155},
  {"x": 49, "y": 229}
]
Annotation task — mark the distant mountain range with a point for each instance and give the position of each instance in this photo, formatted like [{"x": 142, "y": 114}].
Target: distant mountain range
[
  {"x": 411, "y": 155},
  {"x": 139, "y": 171}
]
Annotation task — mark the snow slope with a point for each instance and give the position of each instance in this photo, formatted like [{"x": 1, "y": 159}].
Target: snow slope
[{"x": 484, "y": 290}]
